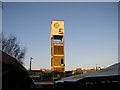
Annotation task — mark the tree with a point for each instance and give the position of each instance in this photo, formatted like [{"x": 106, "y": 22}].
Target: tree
[{"x": 12, "y": 47}]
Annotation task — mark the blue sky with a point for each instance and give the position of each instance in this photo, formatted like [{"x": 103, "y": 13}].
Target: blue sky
[
  {"x": 60, "y": 0},
  {"x": 91, "y": 32},
  {"x": 0, "y": 17}
]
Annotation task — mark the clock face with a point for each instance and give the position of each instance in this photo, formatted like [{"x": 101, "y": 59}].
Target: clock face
[{"x": 56, "y": 25}]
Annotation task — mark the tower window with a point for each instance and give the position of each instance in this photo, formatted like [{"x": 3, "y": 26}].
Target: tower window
[
  {"x": 58, "y": 39},
  {"x": 62, "y": 61}
]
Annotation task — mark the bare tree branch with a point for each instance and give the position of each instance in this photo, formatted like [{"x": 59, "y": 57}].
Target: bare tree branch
[{"x": 11, "y": 47}]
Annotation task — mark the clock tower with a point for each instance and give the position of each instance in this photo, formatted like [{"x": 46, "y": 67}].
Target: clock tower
[{"x": 57, "y": 46}]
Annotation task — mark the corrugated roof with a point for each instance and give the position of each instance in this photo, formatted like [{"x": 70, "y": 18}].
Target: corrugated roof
[{"x": 110, "y": 71}]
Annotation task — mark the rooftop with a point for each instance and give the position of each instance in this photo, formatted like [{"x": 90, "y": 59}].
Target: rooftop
[{"x": 110, "y": 71}]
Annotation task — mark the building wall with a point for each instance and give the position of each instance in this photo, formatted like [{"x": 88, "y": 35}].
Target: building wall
[{"x": 57, "y": 46}]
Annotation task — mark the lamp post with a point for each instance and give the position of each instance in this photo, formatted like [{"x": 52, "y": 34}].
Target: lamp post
[{"x": 30, "y": 63}]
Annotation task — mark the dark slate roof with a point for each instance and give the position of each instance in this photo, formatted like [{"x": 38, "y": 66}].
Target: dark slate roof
[
  {"x": 9, "y": 60},
  {"x": 110, "y": 71}
]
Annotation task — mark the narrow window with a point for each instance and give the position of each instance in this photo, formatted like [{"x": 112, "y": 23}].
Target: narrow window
[{"x": 61, "y": 61}]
